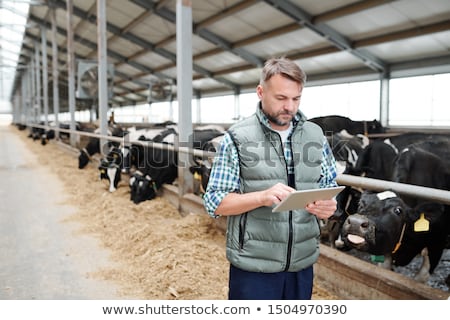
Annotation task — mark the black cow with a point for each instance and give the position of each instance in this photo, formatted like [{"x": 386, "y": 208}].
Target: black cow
[
  {"x": 376, "y": 161},
  {"x": 424, "y": 164},
  {"x": 336, "y": 123},
  {"x": 403, "y": 140}
]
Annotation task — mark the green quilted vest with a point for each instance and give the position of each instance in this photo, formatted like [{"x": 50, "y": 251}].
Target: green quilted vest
[{"x": 261, "y": 240}]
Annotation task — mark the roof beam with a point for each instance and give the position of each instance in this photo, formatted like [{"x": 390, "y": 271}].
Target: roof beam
[
  {"x": 151, "y": 7},
  {"x": 305, "y": 19},
  {"x": 64, "y": 50},
  {"x": 205, "y": 34}
]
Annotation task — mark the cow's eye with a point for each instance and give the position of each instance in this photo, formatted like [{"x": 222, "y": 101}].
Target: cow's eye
[{"x": 398, "y": 210}]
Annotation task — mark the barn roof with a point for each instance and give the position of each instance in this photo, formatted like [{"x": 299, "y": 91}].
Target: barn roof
[{"x": 334, "y": 41}]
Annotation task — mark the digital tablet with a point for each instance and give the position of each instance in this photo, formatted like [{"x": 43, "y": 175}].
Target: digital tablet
[{"x": 299, "y": 199}]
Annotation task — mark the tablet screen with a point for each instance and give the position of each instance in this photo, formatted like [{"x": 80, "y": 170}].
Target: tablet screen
[{"x": 299, "y": 199}]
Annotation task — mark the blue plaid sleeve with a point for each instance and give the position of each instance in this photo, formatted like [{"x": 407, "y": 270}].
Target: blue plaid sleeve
[
  {"x": 329, "y": 171},
  {"x": 224, "y": 177}
]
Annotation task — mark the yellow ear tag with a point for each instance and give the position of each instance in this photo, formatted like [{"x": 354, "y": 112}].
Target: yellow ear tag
[
  {"x": 102, "y": 171},
  {"x": 421, "y": 224},
  {"x": 197, "y": 176}
]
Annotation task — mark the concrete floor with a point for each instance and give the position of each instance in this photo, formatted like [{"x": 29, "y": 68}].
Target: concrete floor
[{"x": 41, "y": 257}]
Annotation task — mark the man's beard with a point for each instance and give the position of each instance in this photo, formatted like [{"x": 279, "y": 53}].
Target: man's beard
[{"x": 275, "y": 120}]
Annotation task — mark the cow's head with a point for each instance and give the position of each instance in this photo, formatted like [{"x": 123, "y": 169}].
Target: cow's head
[
  {"x": 142, "y": 187},
  {"x": 375, "y": 127},
  {"x": 110, "y": 169},
  {"x": 111, "y": 172},
  {"x": 83, "y": 158},
  {"x": 378, "y": 225},
  {"x": 201, "y": 171}
]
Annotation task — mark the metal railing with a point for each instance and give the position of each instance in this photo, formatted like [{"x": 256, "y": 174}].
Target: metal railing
[{"x": 433, "y": 194}]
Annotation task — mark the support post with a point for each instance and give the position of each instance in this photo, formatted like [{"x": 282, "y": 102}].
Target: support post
[{"x": 184, "y": 91}]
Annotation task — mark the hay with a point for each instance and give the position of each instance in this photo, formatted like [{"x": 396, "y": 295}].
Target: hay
[{"x": 155, "y": 252}]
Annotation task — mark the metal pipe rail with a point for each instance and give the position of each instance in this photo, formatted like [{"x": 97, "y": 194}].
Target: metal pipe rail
[
  {"x": 438, "y": 195},
  {"x": 403, "y": 188},
  {"x": 195, "y": 152}
]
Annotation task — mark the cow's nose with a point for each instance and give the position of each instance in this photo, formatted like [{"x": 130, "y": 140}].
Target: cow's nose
[{"x": 359, "y": 221}]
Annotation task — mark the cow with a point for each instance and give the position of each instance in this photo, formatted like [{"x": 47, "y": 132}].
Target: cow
[
  {"x": 45, "y": 135},
  {"x": 402, "y": 140},
  {"x": 335, "y": 123},
  {"x": 50, "y": 134},
  {"x": 93, "y": 146},
  {"x": 376, "y": 161},
  {"x": 386, "y": 226},
  {"x": 111, "y": 168},
  {"x": 157, "y": 133},
  {"x": 347, "y": 204},
  {"x": 154, "y": 167},
  {"x": 346, "y": 149},
  {"x": 142, "y": 187},
  {"x": 36, "y": 133},
  {"x": 377, "y": 223},
  {"x": 151, "y": 175},
  {"x": 201, "y": 168}
]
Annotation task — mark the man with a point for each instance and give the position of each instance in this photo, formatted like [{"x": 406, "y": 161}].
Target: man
[{"x": 260, "y": 161}]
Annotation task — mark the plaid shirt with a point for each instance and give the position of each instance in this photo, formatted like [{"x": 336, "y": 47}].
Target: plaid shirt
[{"x": 225, "y": 175}]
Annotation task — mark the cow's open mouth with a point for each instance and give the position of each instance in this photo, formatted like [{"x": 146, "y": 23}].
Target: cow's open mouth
[{"x": 355, "y": 239}]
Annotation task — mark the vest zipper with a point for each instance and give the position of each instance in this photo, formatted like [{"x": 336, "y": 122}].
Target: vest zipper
[
  {"x": 242, "y": 223},
  {"x": 289, "y": 248},
  {"x": 291, "y": 183}
]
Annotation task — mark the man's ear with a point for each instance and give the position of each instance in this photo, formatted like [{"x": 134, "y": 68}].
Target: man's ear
[{"x": 259, "y": 91}]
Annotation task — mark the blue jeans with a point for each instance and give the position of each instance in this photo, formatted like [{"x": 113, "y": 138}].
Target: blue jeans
[{"x": 246, "y": 285}]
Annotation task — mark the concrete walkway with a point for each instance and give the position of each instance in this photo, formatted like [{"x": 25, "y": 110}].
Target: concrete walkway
[{"x": 42, "y": 257}]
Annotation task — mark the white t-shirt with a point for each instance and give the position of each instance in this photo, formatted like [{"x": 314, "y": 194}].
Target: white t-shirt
[{"x": 284, "y": 134}]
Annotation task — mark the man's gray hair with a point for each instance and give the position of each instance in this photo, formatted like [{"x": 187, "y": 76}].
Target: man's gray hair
[{"x": 285, "y": 67}]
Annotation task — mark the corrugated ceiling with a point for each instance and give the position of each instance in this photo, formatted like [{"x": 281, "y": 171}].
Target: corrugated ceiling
[{"x": 329, "y": 39}]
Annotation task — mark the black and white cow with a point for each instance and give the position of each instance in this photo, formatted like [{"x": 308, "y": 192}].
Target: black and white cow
[
  {"x": 201, "y": 169},
  {"x": 111, "y": 168},
  {"x": 158, "y": 134},
  {"x": 36, "y": 133},
  {"x": 93, "y": 146},
  {"x": 376, "y": 227},
  {"x": 386, "y": 226},
  {"x": 154, "y": 167},
  {"x": 45, "y": 135},
  {"x": 333, "y": 123},
  {"x": 346, "y": 149},
  {"x": 161, "y": 165}
]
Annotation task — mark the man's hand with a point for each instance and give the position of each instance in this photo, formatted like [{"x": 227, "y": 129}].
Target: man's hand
[
  {"x": 322, "y": 209},
  {"x": 275, "y": 194}
]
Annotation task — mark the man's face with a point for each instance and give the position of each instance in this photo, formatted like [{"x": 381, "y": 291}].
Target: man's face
[{"x": 280, "y": 99}]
